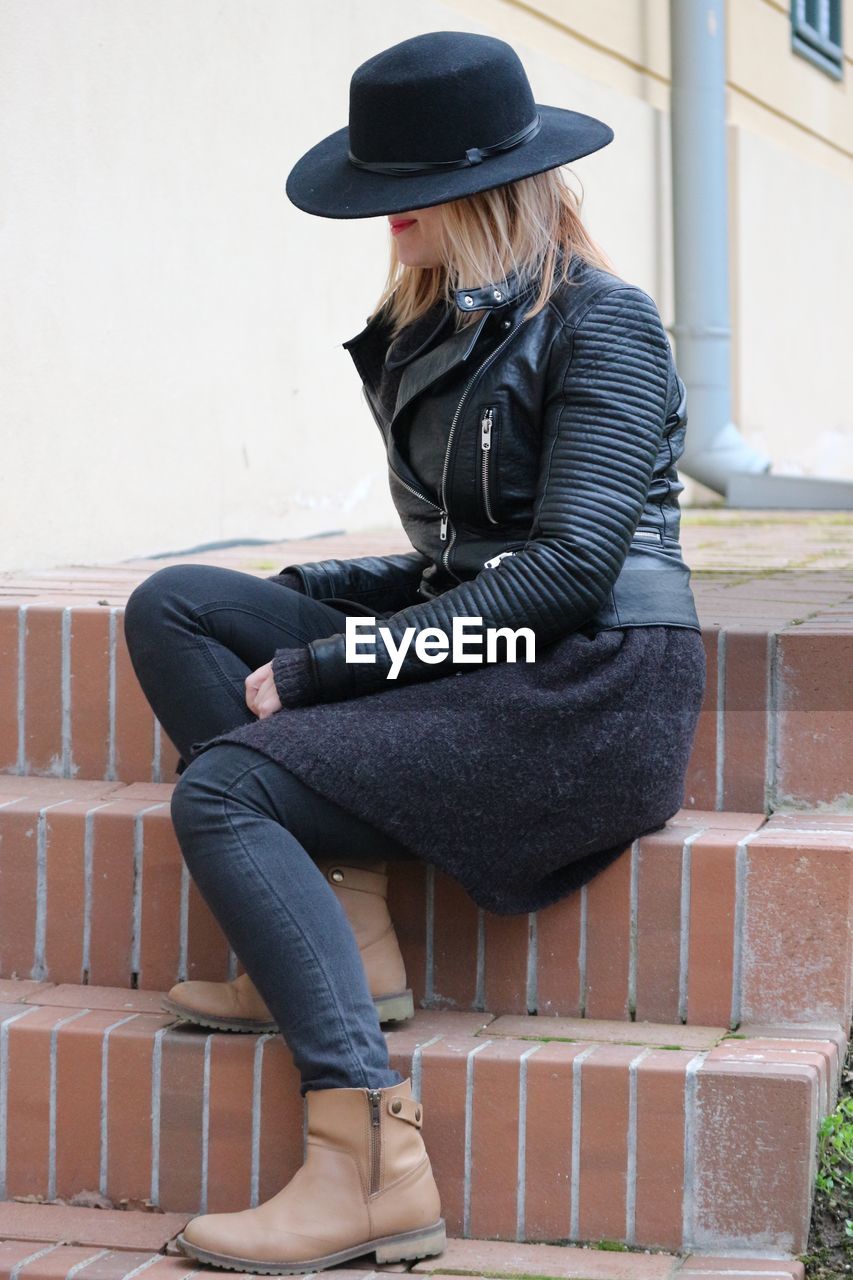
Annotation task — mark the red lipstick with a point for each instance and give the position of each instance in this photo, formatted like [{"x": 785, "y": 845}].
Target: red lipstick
[{"x": 400, "y": 224}]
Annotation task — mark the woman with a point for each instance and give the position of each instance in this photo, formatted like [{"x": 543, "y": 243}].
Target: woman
[{"x": 532, "y": 416}]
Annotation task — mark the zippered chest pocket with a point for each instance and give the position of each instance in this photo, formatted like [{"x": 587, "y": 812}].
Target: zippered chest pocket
[{"x": 489, "y": 435}]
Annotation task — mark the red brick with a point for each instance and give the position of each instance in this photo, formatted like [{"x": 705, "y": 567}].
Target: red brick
[
  {"x": 734, "y": 1268},
  {"x": 71, "y": 996},
  {"x": 558, "y": 930},
  {"x": 23, "y": 989},
  {"x": 229, "y": 1152},
  {"x": 407, "y": 906},
  {"x": 207, "y": 946},
  {"x": 601, "y": 1031},
  {"x": 65, "y": 851},
  {"x": 608, "y": 916},
  {"x": 160, "y": 929},
  {"x": 745, "y": 718},
  {"x": 134, "y": 719},
  {"x": 99, "y": 1228},
  {"x": 282, "y": 1116},
  {"x": 443, "y": 1084},
  {"x": 8, "y": 686},
  {"x": 454, "y": 945},
  {"x": 112, "y": 893},
  {"x": 603, "y": 1142},
  {"x": 90, "y": 682},
  {"x": 19, "y": 823},
  {"x": 814, "y": 716},
  {"x": 495, "y": 1258},
  {"x": 548, "y": 1142},
  {"x": 799, "y": 904},
  {"x": 659, "y": 925},
  {"x": 494, "y": 1139},
  {"x": 700, "y": 788},
  {"x": 130, "y": 1105},
  {"x": 43, "y": 689},
  {"x": 712, "y": 915},
  {"x": 79, "y": 1046},
  {"x": 659, "y": 1188},
  {"x": 752, "y": 1176},
  {"x": 28, "y": 1100},
  {"x": 181, "y": 1118},
  {"x": 505, "y": 971}
]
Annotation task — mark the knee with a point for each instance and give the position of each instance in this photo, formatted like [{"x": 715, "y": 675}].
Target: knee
[
  {"x": 145, "y": 603},
  {"x": 158, "y": 595},
  {"x": 198, "y": 798},
  {"x": 198, "y": 792}
]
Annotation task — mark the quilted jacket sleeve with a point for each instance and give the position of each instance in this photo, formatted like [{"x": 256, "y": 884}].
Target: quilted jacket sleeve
[
  {"x": 604, "y": 417},
  {"x": 383, "y": 582}
]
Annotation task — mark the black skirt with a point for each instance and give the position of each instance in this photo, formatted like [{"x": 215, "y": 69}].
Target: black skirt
[{"x": 521, "y": 780}]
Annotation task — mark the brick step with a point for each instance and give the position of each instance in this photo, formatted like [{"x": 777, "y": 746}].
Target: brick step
[
  {"x": 715, "y": 919},
  {"x": 55, "y": 1242},
  {"x": 658, "y": 1136},
  {"x": 773, "y": 731}
]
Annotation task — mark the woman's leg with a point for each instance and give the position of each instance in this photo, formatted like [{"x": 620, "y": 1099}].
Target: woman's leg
[
  {"x": 245, "y": 826},
  {"x": 194, "y": 632}
]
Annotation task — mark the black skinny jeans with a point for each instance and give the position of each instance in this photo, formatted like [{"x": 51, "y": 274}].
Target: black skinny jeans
[{"x": 248, "y": 829}]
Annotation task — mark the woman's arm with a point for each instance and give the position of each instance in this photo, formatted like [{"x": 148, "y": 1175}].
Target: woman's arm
[
  {"x": 604, "y": 420},
  {"x": 383, "y": 582}
]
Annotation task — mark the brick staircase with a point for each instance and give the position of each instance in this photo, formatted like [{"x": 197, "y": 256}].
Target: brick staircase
[{"x": 646, "y": 1062}]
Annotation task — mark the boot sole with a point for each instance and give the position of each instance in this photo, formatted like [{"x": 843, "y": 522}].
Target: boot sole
[
  {"x": 396, "y": 1008},
  {"x": 408, "y": 1245}
]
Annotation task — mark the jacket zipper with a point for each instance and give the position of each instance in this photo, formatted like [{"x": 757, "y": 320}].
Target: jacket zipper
[
  {"x": 469, "y": 384},
  {"x": 417, "y": 492},
  {"x": 486, "y": 424},
  {"x": 442, "y": 509},
  {"x": 374, "y": 1097}
]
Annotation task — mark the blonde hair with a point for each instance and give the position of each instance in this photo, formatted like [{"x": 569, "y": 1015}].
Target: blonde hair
[{"x": 519, "y": 227}]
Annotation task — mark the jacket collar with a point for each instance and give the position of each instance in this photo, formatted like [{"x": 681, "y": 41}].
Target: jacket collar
[{"x": 368, "y": 348}]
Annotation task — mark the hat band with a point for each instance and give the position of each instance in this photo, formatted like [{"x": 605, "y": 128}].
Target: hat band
[{"x": 474, "y": 155}]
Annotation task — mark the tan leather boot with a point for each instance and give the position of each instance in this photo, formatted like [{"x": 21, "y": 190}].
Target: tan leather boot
[
  {"x": 366, "y": 1186},
  {"x": 362, "y": 891}
]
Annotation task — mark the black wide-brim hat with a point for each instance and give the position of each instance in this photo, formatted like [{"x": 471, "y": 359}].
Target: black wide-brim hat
[{"x": 433, "y": 119}]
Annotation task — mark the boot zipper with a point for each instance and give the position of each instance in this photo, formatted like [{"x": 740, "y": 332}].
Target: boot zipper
[
  {"x": 486, "y": 445},
  {"x": 374, "y": 1097}
]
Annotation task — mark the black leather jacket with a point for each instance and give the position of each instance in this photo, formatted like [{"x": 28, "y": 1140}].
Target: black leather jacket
[{"x": 559, "y": 504}]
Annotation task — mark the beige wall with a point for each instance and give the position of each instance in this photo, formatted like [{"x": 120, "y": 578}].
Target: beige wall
[{"x": 170, "y": 325}]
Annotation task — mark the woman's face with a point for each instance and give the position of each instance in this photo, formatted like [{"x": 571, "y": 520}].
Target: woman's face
[{"x": 417, "y": 236}]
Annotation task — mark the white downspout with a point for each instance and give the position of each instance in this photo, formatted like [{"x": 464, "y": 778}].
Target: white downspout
[{"x": 714, "y": 447}]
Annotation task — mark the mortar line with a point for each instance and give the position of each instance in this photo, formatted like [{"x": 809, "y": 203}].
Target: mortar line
[
  {"x": 521, "y": 1177},
  {"x": 631, "y": 1163},
  {"x": 4, "y": 1091},
  {"x": 51, "y": 1124},
  {"x": 65, "y": 696},
  {"x": 688, "y": 1224},
  {"x": 577, "y": 1101},
  {"x": 105, "y": 1085},
  {"x": 532, "y": 985},
  {"x": 469, "y": 1123},
  {"x": 720, "y": 726},
  {"x": 22, "y": 765}
]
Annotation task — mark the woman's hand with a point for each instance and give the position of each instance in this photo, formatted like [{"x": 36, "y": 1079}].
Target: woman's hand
[{"x": 261, "y": 694}]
